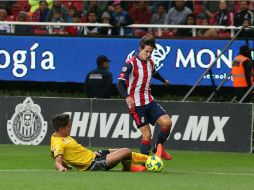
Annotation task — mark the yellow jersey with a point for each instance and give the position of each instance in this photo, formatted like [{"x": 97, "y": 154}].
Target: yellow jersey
[{"x": 74, "y": 154}]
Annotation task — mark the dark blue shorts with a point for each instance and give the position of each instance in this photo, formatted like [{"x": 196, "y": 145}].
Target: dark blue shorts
[
  {"x": 147, "y": 114},
  {"x": 99, "y": 163}
]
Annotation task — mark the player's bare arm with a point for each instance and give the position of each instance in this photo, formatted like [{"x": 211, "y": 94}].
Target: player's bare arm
[
  {"x": 59, "y": 163},
  {"x": 130, "y": 102},
  {"x": 166, "y": 83}
]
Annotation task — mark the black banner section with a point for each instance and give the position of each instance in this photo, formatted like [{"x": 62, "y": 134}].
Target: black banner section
[{"x": 107, "y": 123}]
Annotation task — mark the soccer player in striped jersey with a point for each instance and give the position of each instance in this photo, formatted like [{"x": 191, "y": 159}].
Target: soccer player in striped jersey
[
  {"x": 134, "y": 85},
  {"x": 67, "y": 152}
]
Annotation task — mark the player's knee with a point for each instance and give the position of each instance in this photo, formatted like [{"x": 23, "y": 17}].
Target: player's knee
[
  {"x": 127, "y": 151},
  {"x": 147, "y": 137},
  {"x": 169, "y": 123},
  {"x": 166, "y": 123}
]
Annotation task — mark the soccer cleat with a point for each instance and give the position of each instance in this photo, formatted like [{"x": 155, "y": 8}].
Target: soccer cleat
[
  {"x": 166, "y": 155},
  {"x": 158, "y": 150},
  {"x": 137, "y": 168},
  {"x": 162, "y": 153}
]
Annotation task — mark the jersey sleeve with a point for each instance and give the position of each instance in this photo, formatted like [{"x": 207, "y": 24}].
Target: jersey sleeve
[
  {"x": 154, "y": 66},
  {"x": 125, "y": 73},
  {"x": 57, "y": 149}
]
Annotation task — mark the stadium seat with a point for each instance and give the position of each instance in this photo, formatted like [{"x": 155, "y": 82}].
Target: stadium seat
[
  {"x": 79, "y": 5},
  {"x": 140, "y": 32},
  {"x": 67, "y": 4},
  {"x": 223, "y": 34},
  {"x": 10, "y": 18},
  {"x": 16, "y": 8},
  {"x": 24, "y": 4},
  {"x": 165, "y": 34},
  {"x": 198, "y": 7},
  {"x": 84, "y": 19},
  {"x": 39, "y": 31}
]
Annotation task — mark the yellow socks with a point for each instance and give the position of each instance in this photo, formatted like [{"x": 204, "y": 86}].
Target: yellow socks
[{"x": 138, "y": 158}]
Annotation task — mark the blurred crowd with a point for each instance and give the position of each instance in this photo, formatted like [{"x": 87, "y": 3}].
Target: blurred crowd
[{"x": 123, "y": 13}]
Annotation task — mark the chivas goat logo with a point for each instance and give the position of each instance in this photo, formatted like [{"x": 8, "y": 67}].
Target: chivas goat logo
[
  {"x": 27, "y": 125},
  {"x": 158, "y": 56}
]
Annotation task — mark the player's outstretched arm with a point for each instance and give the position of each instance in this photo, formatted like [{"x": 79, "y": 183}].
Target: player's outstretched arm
[
  {"x": 160, "y": 78},
  {"x": 59, "y": 163}
]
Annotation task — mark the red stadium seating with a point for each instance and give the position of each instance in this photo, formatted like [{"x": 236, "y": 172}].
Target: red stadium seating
[
  {"x": 165, "y": 34},
  {"x": 11, "y": 18},
  {"x": 198, "y": 7},
  {"x": 78, "y": 4},
  {"x": 223, "y": 34},
  {"x": 39, "y": 31},
  {"x": 140, "y": 33},
  {"x": 67, "y": 4},
  {"x": 16, "y": 8},
  {"x": 24, "y": 4}
]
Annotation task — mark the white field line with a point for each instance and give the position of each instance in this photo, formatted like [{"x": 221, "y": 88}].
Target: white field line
[
  {"x": 26, "y": 170},
  {"x": 181, "y": 172},
  {"x": 213, "y": 173}
]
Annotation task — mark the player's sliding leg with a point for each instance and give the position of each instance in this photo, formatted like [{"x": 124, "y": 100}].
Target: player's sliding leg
[
  {"x": 125, "y": 155},
  {"x": 136, "y": 164},
  {"x": 117, "y": 156},
  {"x": 138, "y": 158},
  {"x": 137, "y": 168}
]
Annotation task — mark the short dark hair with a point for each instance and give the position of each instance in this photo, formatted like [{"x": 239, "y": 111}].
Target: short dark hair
[
  {"x": 91, "y": 11},
  {"x": 161, "y": 5},
  {"x": 43, "y": 1},
  {"x": 60, "y": 121},
  {"x": 73, "y": 7},
  {"x": 245, "y": 51},
  {"x": 77, "y": 14},
  {"x": 147, "y": 40}
]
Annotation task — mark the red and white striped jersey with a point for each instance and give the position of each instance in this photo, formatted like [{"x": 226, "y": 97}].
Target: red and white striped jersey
[{"x": 138, "y": 75}]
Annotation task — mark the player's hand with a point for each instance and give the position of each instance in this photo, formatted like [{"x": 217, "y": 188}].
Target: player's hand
[
  {"x": 130, "y": 102},
  {"x": 97, "y": 154},
  {"x": 166, "y": 83},
  {"x": 63, "y": 169}
]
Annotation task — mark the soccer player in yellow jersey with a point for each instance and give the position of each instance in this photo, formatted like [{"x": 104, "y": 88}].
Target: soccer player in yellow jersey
[{"x": 67, "y": 152}]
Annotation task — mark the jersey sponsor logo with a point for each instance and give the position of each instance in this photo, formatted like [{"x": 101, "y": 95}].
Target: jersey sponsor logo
[
  {"x": 142, "y": 120},
  {"x": 27, "y": 126},
  {"x": 158, "y": 56},
  {"x": 114, "y": 125}
]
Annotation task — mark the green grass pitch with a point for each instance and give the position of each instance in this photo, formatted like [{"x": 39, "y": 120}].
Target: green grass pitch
[{"x": 31, "y": 168}]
